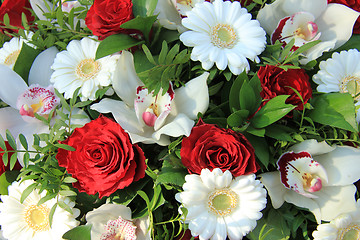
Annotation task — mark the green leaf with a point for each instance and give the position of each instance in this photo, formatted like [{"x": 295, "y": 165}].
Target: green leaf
[
  {"x": 67, "y": 193},
  {"x": 163, "y": 53},
  {"x": 51, "y": 214},
  {"x": 23, "y": 141},
  {"x": 69, "y": 180},
  {"x": 280, "y": 132},
  {"x": 27, "y": 191},
  {"x": 10, "y": 139},
  {"x": 272, "y": 111},
  {"x": 2, "y": 143},
  {"x": 64, "y": 206},
  {"x": 59, "y": 17},
  {"x": 175, "y": 176},
  {"x": 261, "y": 148},
  {"x": 116, "y": 43},
  {"x": 6, "y": 179},
  {"x": 334, "y": 109},
  {"x": 144, "y": 8},
  {"x": 46, "y": 198},
  {"x": 64, "y": 146},
  {"x": 143, "y": 24},
  {"x": 13, "y": 160},
  {"x": 235, "y": 91},
  {"x": 79, "y": 233},
  {"x": 24, "y": 61},
  {"x": 238, "y": 118}
]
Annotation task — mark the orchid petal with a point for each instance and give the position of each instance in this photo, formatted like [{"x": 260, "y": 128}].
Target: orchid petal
[
  {"x": 275, "y": 188},
  {"x": 193, "y": 97},
  {"x": 39, "y": 8},
  {"x": 342, "y": 165},
  {"x": 10, "y": 118},
  {"x": 181, "y": 125},
  {"x": 126, "y": 80},
  {"x": 12, "y": 86},
  {"x": 337, "y": 23},
  {"x": 313, "y": 147},
  {"x": 124, "y": 115},
  {"x": 304, "y": 202},
  {"x": 311, "y": 6},
  {"x": 41, "y": 71},
  {"x": 270, "y": 15},
  {"x": 147, "y": 138},
  {"x": 335, "y": 200}
]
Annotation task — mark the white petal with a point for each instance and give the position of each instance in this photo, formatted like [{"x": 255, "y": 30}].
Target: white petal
[
  {"x": 181, "y": 125},
  {"x": 124, "y": 115},
  {"x": 313, "y": 147},
  {"x": 337, "y": 22},
  {"x": 193, "y": 97},
  {"x": 342, "y": 165},
  {"x": 39, "y": 8},
  {"x": 311, "y": 6},
  {"x": 220, "y": 231},
  {"x": 270, "y": 15},
  {"x": 10, "y": 118},
  {"x": 275, "y": 188},
  {"x": 41, "y": 71},
  {"x": 335, "y": 200},
  {"x": 125, "y": 78},
  {"x": 12, "y": 86}
]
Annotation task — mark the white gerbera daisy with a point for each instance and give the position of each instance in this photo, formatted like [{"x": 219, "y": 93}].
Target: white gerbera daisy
[
  {"x": 340, "y": 73},
  {"x": 223, "y": 33},
  {"x": 76, "y": 67},
  {"x": 11, "y": 50},
  {"x": 28, "y": 221},
  {"x": 219, "y": 206},
  {"x": 344, "y": 227}
]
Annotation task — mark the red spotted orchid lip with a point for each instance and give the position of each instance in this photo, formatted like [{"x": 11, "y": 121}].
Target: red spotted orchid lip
[
  {"x": 299, "y": 26},
  {"x": 301, "y": 173},
  {"x": 37, "y": 99}
]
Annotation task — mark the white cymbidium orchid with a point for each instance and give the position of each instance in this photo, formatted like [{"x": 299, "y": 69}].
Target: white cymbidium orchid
[
  {"x": 152, "y": 119},
  {"x": 316, "y": 176},
  {"x": 306, "y": 21},
  {"x": 24, "y": 101}
]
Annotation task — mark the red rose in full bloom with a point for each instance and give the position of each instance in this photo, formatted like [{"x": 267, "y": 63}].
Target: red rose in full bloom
[
  {"x": 104, "y": 160},
  {"x": 14, "y": 9},
  {"x": 4, "y": 168},
  {"x": 105, "y": 17},
  {"x": 353, "y": 4},
  {"x": 209, "y": 146},
  {"x": 276, "y": 81}
]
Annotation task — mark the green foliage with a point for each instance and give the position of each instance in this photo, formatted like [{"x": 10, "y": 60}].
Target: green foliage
[
  {"x": 334, "y": 109},
  {"x": 79, "y": 233},
  {"x": 6, "y": 179},
  {"x": 167, "y": 67}
]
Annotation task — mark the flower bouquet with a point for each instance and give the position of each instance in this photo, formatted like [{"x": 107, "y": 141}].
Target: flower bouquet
[{"x": 163, "y": 119}]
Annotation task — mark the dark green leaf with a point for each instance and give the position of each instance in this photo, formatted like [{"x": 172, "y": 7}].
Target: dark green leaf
[
  {"x": 143, "y": 24},
  {"x": 23, "y": 141},
  {"x": 10, "y": 139},
  {"x": 144, "y": 8},
  {"x": 175, "y": 176},
  {"x": 64, "y": 146},
  {"x": 6, "y": 179},
  {"x": 116, "y": 43},
  {"x": 235, "y": 91},
  {"x": 24, "y": 61},
  {"x": 238, "y": 118}
]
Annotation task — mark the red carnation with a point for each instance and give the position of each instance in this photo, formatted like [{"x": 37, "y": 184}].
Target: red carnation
[
  {"x": 209, "y": 146},
  {"x": 104, "y": 160}
]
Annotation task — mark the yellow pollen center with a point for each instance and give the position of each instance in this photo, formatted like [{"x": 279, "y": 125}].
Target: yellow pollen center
[
  {"x": 184, "y": 2},
  {"x": 222, "y": 202},
  {"x": 37, "y": 106},
  {"x": 37, "y": 217},
  {"x": 351, "y": 85},
  {"x": 352, "y": 232},
  {"x": 87, "y": 69},
  {"x": 11, "y": 59},
  {"x": 223, "y": 36}
]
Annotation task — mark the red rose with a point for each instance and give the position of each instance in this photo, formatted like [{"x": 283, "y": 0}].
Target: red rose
[
  {"x": 276, "y": 81},
  {"x": 353, "y": 4},
  {"x": 105, "y": 17},
  {"x": 104, "y": 160},
  {"x": 14, "y": 9},
  {"x": 244, "y": 3},
  {"x": 4, "y": 168},
  {"x": 209, "y": 146}
]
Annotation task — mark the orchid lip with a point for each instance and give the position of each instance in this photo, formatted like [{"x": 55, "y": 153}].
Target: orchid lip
[
  {"x": 37, "y": 100},
  {"x": 301, "y": 173}
]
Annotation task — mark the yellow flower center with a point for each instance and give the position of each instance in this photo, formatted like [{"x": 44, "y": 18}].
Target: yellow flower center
[
  {"x": 184, "y": 2},
  {"x": 37, "y": 217},
  {"x": 11, "y": 59},
  {"x": 222, "y": 202},
  {"x": 223, "y": 36},
  {"x": 352, "y": 232},
  {"x": 351, "y": 84},
  {"x": 87, "y": 69}
]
